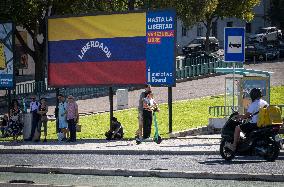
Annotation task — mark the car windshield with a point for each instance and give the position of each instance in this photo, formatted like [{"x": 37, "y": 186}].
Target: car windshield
[
  {"x": 259, "y": 47},
  {"x": 196, "y": 41},
  {"x": 261, "y": 31}
]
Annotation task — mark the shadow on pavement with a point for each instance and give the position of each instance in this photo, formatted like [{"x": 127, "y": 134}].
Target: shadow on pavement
[
  {"x": 56, "y": 142},
  {"x": 237, "y": 160}
]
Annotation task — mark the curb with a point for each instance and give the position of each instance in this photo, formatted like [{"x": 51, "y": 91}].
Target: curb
[
  {"x": 113, "y": 152},
  {"x": 146, "y": 173},
  {"x": 109, "y": 152}
]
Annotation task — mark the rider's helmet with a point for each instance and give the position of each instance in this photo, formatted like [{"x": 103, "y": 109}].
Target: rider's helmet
[{"x": 255, "y": 93}]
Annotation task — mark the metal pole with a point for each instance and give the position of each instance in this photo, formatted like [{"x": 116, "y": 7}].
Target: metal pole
[
  {"x": 9, "y": 101},
  {"x": 170, "y": 99},
  {"x": 110, "y": 104},
  {"x": 234, "y": 85}
]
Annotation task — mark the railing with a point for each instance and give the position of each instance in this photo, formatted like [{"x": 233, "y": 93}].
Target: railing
[
  {"x": 227, "y": 110},
  {"x": 194, "y": 67}
]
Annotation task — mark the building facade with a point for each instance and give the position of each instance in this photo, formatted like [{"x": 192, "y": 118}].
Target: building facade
[{"x": 185, "y": 35}]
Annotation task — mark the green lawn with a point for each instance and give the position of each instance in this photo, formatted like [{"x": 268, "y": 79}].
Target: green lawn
[{"x": 186, "y": 114}]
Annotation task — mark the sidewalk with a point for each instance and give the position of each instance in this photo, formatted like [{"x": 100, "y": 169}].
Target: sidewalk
[{"x": 191, "y": 145}]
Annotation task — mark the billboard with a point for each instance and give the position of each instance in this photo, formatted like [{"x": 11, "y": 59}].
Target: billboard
[
  {"x": 6, "y": 56},
  {"x": 115, "y": 49}
]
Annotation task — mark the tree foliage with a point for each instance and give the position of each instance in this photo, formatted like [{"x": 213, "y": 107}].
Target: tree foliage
[
  {"x": 276, "y": 13},
  {"x": 31, "y": 15}
]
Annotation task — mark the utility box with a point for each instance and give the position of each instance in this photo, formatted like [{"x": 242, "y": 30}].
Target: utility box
[
  {"x": 122, "y": 99},
  {"x": 27, "y": 120}
]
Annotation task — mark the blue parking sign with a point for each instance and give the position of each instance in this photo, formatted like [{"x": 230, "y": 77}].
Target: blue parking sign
[{"x": 234, "y": 44}]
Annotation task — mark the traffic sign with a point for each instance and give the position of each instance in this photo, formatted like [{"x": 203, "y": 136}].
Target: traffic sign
[{"x": 234, "y": 44}]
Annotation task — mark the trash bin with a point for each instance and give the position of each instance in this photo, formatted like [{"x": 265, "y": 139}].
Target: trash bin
[{"x": 27, "y": 120}]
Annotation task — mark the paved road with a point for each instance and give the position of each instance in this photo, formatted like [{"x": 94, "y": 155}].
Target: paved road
[
  {"x": 170, "y": 163},
  {"x": 120, "y": 181}
]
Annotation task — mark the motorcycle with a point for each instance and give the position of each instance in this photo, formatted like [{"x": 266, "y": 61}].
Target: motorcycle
[{"x": 264, "y": 142}]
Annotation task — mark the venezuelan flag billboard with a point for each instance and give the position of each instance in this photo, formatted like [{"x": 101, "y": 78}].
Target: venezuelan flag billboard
[{"x": 115, "y": 49}]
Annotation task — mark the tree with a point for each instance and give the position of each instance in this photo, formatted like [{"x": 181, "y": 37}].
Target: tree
[
  {"x": 276, "y": 13},
  {"x": 31, "y": 15},
  {"x": 209, "y": 11}
]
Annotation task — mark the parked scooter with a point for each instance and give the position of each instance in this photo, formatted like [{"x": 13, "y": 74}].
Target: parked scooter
[{"x": 264, "y": 142}]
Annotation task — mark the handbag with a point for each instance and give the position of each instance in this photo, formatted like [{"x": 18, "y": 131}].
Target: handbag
[
  {"x": 44, "y": 118},
  {"x": 60, "y": 136},
  {"x": 78, "y": 128}
]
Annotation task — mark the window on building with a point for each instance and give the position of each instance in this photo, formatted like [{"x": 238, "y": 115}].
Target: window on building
[
  {"x": 229, "y": 24},
  {"x": 248, "y": 27},
  {"x": 183, "y": 31},
  {"x": 199, "y": 30},
  {"x": 214, "y": 29}
]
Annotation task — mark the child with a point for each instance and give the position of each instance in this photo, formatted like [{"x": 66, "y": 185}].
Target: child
[{"x": 116, "y": 130}]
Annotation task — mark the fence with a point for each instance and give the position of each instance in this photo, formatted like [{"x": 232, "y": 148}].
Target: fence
[
  {"x": 194, "y": 67},
  {"x": 227, "y": 110}
]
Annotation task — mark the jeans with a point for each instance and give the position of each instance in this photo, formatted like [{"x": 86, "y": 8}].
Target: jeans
[
  {"x": 72, "y": 129},
  {"x": 34, "y": 123},
  {"x": 147, "y": 123}
]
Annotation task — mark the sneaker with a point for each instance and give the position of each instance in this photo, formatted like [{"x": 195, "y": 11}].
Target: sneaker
[
  {"x": 148, "y": 139},
  {"x": 230, "y": 146},
  {"x": 138, "y": 141},
  {"x": 64, "y": 139}
]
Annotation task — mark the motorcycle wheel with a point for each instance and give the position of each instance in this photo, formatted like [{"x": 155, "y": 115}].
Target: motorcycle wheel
[
  {"x": 272, "y": 152},
  {"x": 226, "y": 153}
]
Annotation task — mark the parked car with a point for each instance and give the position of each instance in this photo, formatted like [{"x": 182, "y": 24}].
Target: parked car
[
  {"x": 257, "y": 51},
  {"x": 261, "y": 52},
  {"x": 198, "y": 44},
  {"x": 281, "y": 48},
  {"x": 272, "y": 52},
  {"x": 266, "y": 34}
]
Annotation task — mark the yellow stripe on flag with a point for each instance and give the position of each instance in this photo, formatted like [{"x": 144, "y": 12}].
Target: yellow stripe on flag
[{"x": 101, "y": 26}]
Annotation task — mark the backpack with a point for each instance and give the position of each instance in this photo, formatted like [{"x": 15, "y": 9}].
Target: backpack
[{"x": 270, "y": 115}]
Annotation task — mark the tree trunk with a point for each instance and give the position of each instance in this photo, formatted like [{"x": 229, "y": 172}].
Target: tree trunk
[
  {"x": 39, "y": 57},
  {"x": 208, "y": 31}
]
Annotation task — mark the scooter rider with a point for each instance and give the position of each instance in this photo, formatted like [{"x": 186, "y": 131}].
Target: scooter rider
[{"x": 256, "y": 104}]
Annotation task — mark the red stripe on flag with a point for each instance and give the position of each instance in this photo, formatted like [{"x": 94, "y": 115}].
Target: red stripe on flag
[{"x": 99, "y": 73}]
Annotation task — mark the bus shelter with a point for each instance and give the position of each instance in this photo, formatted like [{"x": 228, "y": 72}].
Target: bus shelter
[{"x": 238, "y": 87}]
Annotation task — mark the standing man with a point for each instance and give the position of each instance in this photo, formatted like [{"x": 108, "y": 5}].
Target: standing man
[
  {"x": 72, "y": 117},
  {"x": 140, "y": 113},
  {"x": 33, "y": 110}
]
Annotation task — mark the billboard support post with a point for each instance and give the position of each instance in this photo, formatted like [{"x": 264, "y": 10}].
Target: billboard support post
[
  {"x": 170, "y": 99},
  {"x": 9, "y": 100},
  {"x": 110, "y": 104},
  {"x": 57, "y": 110}
]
